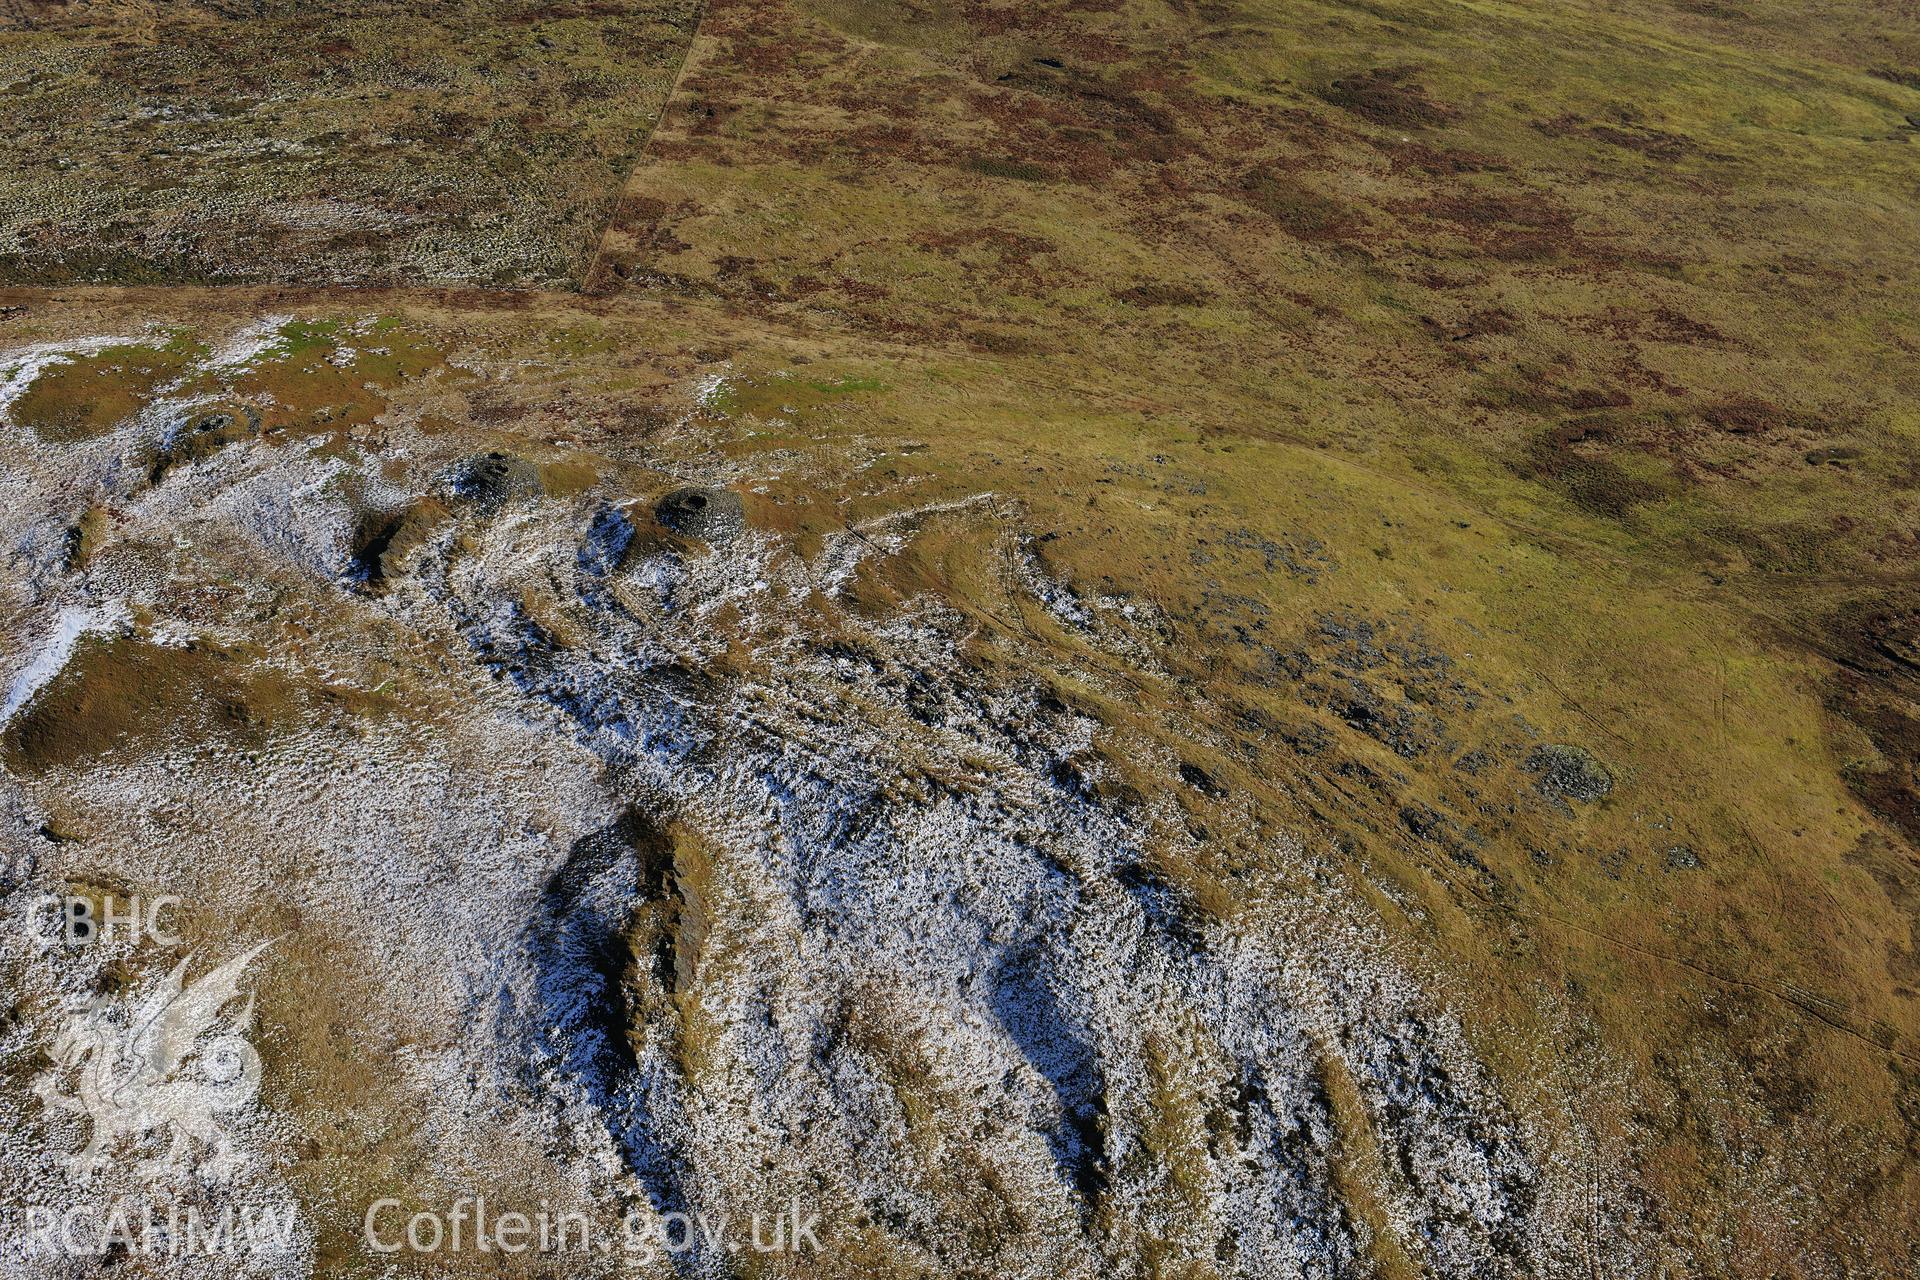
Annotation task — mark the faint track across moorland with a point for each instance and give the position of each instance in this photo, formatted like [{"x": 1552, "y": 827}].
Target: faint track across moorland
[{"x": 586, "y": 284}]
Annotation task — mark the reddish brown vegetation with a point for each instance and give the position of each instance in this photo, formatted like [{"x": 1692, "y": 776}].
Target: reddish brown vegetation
[{"x": 1386, "y": 96}]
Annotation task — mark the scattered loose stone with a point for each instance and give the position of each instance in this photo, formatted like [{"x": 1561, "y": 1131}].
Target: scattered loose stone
[
  {"x": 1566, "y": 772},
  {"x": 714, "y": 516}
]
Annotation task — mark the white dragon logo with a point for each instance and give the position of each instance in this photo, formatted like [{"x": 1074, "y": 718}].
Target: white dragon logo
[{"x": 130, "y": 1063}]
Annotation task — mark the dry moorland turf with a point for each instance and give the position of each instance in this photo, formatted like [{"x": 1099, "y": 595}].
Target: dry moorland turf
[
  {"x": 1500, "y": 419},
  {"x": 348, "y": 142}
]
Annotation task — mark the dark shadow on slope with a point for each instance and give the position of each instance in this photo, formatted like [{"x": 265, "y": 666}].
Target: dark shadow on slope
[
  {"x": 607, "y": 540},
  {"x": 1024, "y": 1001},
  {"x": 583, "y": 965},
  {"x": 1166, "y": 908}
]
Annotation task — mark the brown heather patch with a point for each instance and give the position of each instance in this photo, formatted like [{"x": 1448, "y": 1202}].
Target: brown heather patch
[
  {"x": 1388, "y": 96},
  {"x": 1527, "y": 392},
  {"x": 1165, "y": 295},
  {"x": 1506, "y": 225},
  {"x": 1127, "y": 125},
  {"x": 1886, "y": 786},
  {"x": 1668, "y": 325},
  {"x": 1408, "y": 154},
  {"x": 1081, "y": 46},
  {"x": 1751, "y": 416},
  {"x": 1877, "y": 689},
  {"x": 634, "y": 212},
  {"x": 1483, "y": 322},
  {"x": 1017, "y": 170},
  {"x": 1572, "y": 460},
  {"x": 1300, "y": 211},
  {"x": 1661, "y": 324},
  {"x": 1013, "y": 249},
  {"x": 1656, "y": 144},
  {"x": 1896, "y": 870}
]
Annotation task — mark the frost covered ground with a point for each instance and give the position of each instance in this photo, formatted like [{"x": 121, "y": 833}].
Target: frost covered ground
[{"x": 641, "y": 864}]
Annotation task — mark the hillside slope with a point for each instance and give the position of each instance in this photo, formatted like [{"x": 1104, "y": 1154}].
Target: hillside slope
[{"x": 1107, "y": 639}]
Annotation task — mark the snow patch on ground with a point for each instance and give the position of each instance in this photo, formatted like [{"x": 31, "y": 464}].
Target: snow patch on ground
[{"x": 50, "y": 656}]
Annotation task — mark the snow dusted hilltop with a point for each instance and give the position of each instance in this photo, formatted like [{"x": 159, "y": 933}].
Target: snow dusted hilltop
[{"x": 639, "y": 837}]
